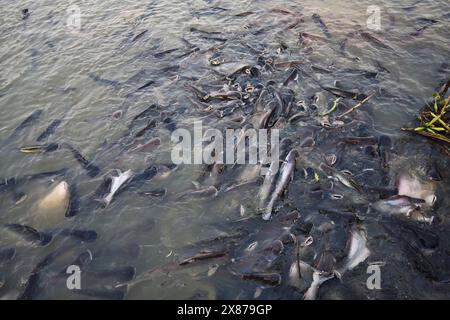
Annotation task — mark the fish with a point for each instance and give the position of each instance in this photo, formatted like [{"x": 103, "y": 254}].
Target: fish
[
  {"x": 33, "y": 286},
  {"x": 101, "y": 293},
  {"x": 318, "y": 20},
  {"x": 412, "y": 187},
  {"x": 28, "y": 234},
  {"x": 203, "y": 255},
  {"x": 56, "y": 203},
  {"x": 206, "y": 192},
  {"x": 164, "y": 53},
  {"x": 293, "y": 76},
  {"x": 345, "y": 93},
  {"x": 82, "y": 235},
  {"x": 269, "y": 179},
  {"x": 384, "y": 149},
  {"x": 25, "y": 13},
  {"x": 357, "y": 251},
  {"x": 188, "y": 53},
  {"x": 342, "y": 177},
  {"x": 50, "y": 130},
  {"x": 245, "y": 184},
  {"x": 145, "y": 85},
  {"x": 103, "y": 81},
  {"x": 402, "y": 205},
  {"x": 126, "y": 273},
  {"x": 29, "y": 121},
  {"x": 286, "y": 174},
  {"x": 7, "y": 254},
  {"x": 319, "y": 278},
  {"x": 154, "y": 193},
  {"x": 372, "y": 39},
  {"x": 117, "y": 183},
  {"x": 90, "y": 167},
  {"x": 267, "y": 278},
  {"x": 139, "y": 35},
  {"x": 13, "y": 182},
  {"x": 143, "y": 115},
  {"x": 148, "y": 146}
]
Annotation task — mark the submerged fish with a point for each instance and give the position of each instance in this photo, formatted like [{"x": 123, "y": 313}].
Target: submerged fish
[
  {"x": 367, "y": 36},
  {"x": 206, "y": 192},
  {"x": 103, "y": 81},
  {"x": 7, "y": 254},
  {"x": 28, "y": 234},
  {"x": 50, "y": 130},
  {"x": 318, "y": 20},
  {"x": 102, "y": 293},
  {"x": 29, "y": 121}
]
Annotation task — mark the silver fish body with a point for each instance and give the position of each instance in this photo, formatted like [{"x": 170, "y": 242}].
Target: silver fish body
[
  {"x": 286, "y": 174},
  {"x": 117, "y": 183}
]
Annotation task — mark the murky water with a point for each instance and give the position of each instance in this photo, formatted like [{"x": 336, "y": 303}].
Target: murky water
[{"x": 96, "y": 79}]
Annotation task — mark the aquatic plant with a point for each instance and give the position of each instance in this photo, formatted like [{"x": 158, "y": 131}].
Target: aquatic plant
[{"x": 434, "y": 120}]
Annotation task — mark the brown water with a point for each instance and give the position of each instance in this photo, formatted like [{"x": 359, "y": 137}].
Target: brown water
[{"x": 46, "y": 65}]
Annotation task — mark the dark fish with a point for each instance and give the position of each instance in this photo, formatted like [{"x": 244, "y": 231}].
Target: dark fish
[
  {"x": 188, "y": 53},
  {"x": 163, "y": 53},
  {"x": 193, "y": 29},
  {"x": 82, "y": 235},
  {"x": 367, "y": 36},
  {"x": 366, "y": 73},
  {"x": 6, "y": 254},
  {"x": 33, "y": 286},
  {"x": 223, "y": 40},
  {"x": 150, "y": 125},
  {"x": 203, "y": 255},
  {"x": 91, "y": 168},
  {"x": 272, "y": 279},
  {"x": 29, "y": 234},
  {"x": 319, "y": 69},
  {"x": 293, "y": 76},
  {"x": 154, "y": 193},
  {"x": 244, "y": 14},
  {"x": 50, "y": 130},
  {"x": 29, "y": 121},
  {"x": 344, "y": 93},
  {"x": 318, "y": 20},
  {"x": 126, "y": 273},
  {"x": 384, "y": 148},
  {"x": 305, "y": 35},
  {"x": 8, "y": 183},
  {"x": 147, "y": 174},
  {"x": 288, "y": 64},
  {"x": 294, "y": 23},
  {"x": 139, "y": 35},
  {"x": 108, "y": 82},
  {"x": 109, "y": 294},
  {"x": 25, "y": 14},
  {"x": 147, "y": 84},
  {"x": 187, "y": 43},
  {"x": 144, "y": 114}
]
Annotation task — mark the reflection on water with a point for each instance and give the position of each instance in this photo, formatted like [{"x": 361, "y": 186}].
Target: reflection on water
[{"x": 114, "y": 82}]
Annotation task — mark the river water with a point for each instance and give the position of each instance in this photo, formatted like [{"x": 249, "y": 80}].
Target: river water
[{"x": 87, "y": 63}]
